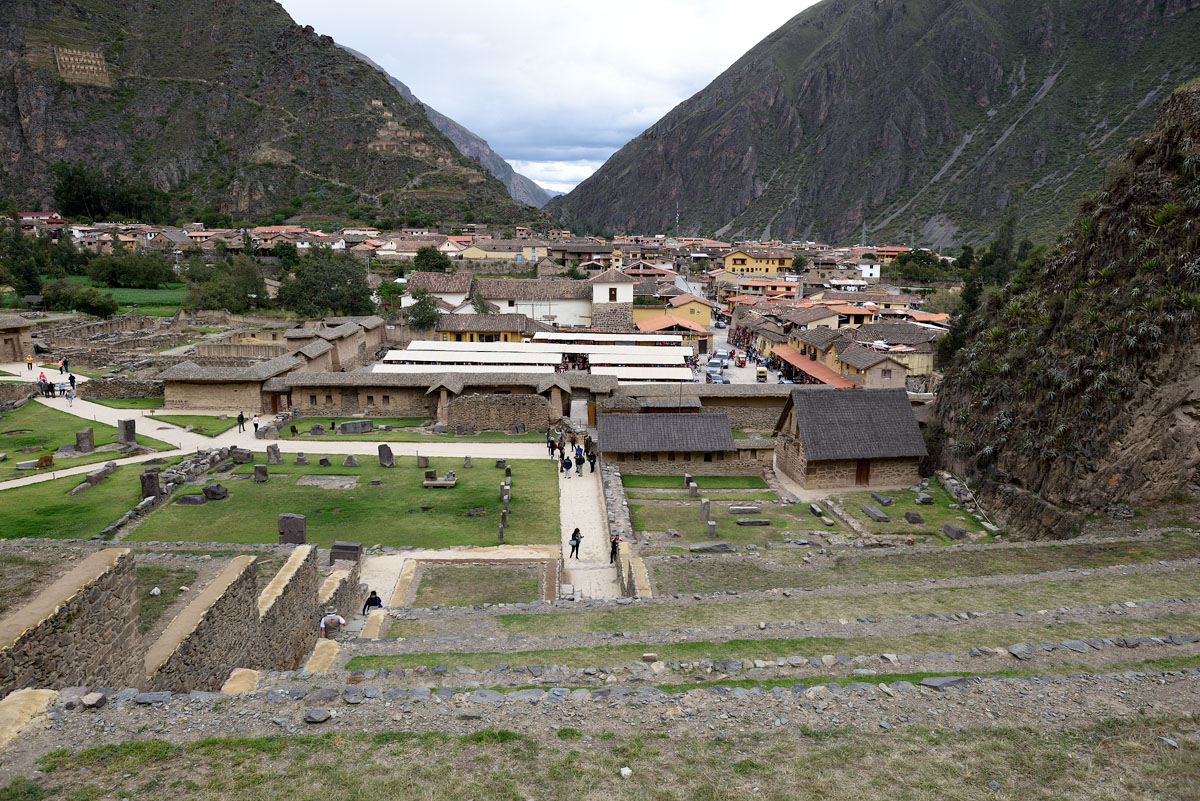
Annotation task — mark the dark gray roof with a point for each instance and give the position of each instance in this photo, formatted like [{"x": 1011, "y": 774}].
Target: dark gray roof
[
  {"x": 533, "y": 288},
  {"x": 314, "y": 349},
  {"x": 366, "y": 321},
  {"x": 260, "y": 371},
  {"x": 650, "y": 389},
  {"x": 456, "y": 382},
  {"x": 340, "y": 332},
  {"x": 856, "y": 424},
  {"x": 670, "y": 402},
  {"x": 481, "y": 322},
  {"x": 820, "y": 337},
  {"x": 896, "y": 333},
  {"x": 14, "y": 321},
  {"x": 299, "y": 333},
  {"x": 806, "y": 316},
  {"x": 654, "y": 433},
  {"x": 453, "y": 283},
  {"x": 861, "y": 357}
]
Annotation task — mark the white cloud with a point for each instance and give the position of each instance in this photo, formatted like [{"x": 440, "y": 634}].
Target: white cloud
[{"x": 558, "y": 86}]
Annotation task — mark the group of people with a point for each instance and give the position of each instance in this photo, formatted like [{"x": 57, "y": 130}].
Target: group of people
[
  {"x": 332, "y": 622},
  {"x": 575, "y": 453},
  {"x": 576, "y": 538},
  {"x": 64, "y": 389},
  {"x": 241, "y": 421}
]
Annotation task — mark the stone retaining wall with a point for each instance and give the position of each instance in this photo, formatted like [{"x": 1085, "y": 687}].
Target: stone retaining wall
[
  {"x": 82, "y": 629},
  {"x": 119, "y": 388},
  {"x": 721, "y": 465},
  {"x": 239, "y": 350},
  {"x": 632, "y": 573},
  {"x": 211, "y": 636},
  {"x": 342, "y": 589},
  {"x": 498, "y": 412},
  {"x": 14, "y": 394},
  {"x": 287, "y": 613}
]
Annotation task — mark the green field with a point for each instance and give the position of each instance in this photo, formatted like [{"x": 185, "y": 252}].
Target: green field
[
  {"x": 128, "y": 403},
  {"x": 685, "y": 519},
  {"x": 38, "y": 425},
  {"x": 304, "y": 424},
  {"x": 157, "y": 302},
  {"x": 400, "y": 512},
  {"x": 935, "y": 515},
  {"x": 704, "y": 482},
  {"x": 468, "y": 585},
  {"x": 211, "y": 424}
]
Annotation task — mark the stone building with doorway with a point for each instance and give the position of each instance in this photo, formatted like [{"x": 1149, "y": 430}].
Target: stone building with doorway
[
  {"x": 672, "y": 444},
  {"x": 15, "y": 340},
  {"x": 838, "y": 438}
]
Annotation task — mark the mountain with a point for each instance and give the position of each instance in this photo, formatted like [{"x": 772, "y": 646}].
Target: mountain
[
  {"x": 1077, "y": 387},
  {"x": 470, "y": 144},
  {"x": 230, "y": 107},
  {"x": 916, "y": 120}
]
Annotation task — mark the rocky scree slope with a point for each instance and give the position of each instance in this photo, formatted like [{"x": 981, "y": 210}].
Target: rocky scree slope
[
  {"x": 1079, "y": 385},
  {"x": 470, "y": 144},
  {"x": 225, "y": 104},
  {"x": 916, "y": 120}
]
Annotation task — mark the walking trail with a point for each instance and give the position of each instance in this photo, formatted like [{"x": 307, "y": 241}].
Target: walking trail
[{"x": 581, "y": 505}]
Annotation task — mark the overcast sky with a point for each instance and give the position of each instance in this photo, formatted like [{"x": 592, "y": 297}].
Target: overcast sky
[{"x": 555, "y": 87}]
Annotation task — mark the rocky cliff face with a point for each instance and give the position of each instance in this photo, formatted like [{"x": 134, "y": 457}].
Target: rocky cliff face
[
  {"x": 916, "y": 120},
  {"x": 228, "y": 104},
  {"x": 470, "y": 144},
  {"x": 1080, "y": 385}
]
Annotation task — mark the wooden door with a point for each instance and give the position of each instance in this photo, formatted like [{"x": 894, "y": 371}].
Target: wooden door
[{"x": 862, "y": 476}]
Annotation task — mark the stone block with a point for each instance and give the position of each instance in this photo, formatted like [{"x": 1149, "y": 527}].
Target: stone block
[
  {"x": 317, "y": 430},
  {"x": 744, "y": 510},
  {"x": 711, "y": 547},
  {"x": 502, "y": 463},
  {"x": 883, "y": 500},
  {"x": 150, "y": 488},
  {"x": 350, "y": 461},
  {"x": 260, "y": 474},
  {"x": 913, "y": 517},
  {"x": 215, "y": 492},
  {"x": 191, "y": 500},
  {"x": 355, "y": 427},
  {"x": 292, "y": 529},
  {"x": 753, "y": 521},
  {"x": 954, "y": 532},
  {"x": 876, "y": 514},
  {"x": 815, "y": 510},
  {"x": 711, "y": 529},
  {"x": 440, "y": 428},
  {"x": 693, "y": 490},
  {"x": 827, "y": 521},
  {"x": 30, "y": 464},
  {"x": 386, "y": 459},
  {"x": 345, "y": 551},
  {"x": 466, "y": 461},
  {"x": 704, "y": 507},
  {"x": 84, "y": 442},
  {"x": 924, "y": 498},
  {"x": 301, "y": 459},
  {"x": 431, "y": 475},
  {"x": 422, "y": 461},
  {"x": 459, "y": 430},
  {"x": 325, "y": 462},
  {"x": 273, "y": 455},
  {"x": 127, "y": 432},
  {"x": 241, "y": 455},
  {"x": 687, "y": 480}
]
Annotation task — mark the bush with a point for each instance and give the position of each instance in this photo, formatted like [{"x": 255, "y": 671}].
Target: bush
[
  {"x": 134, "y": 270},
  {"x": 70, "y": 296}
]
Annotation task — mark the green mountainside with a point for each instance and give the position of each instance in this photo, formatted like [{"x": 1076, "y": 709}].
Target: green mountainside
[
  {"x": 228, "y": 105},
  {"x": 916, "y": 120},
  {"x": 1077, "y": 385}
]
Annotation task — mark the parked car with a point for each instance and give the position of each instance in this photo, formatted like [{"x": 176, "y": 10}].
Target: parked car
[
  {"x": 723, "y": 355},
  {"x": 721, "y": 324},
  {"x": 716, "y": 365}
]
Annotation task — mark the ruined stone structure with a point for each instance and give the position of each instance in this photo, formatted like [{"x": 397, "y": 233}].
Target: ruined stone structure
[{"x": 498, "y": 412}]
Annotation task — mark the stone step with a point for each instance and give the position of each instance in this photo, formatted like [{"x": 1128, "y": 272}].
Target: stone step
[
  {"x": 324, "y": 652},
  {"x": 241, "y": 680}
]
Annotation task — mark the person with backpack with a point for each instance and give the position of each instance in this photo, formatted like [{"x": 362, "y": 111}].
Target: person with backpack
[
  {"x": 576, "y": 538},
  {"x": 613, "y": 541}
]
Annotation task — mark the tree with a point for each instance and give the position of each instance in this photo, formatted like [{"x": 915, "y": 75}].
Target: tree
[
  {"x": 235, "y": 286},
  {"x": 966, "y": 259},
  {"x": 134, "y": 270},
  {"x": 287, "y": 253},
  {"x": 327, "y": 282},
  {"x": 70, "y": 296},
  {"x": 17, "y": 254},
  {"x": 506, "y": 235},
  {"x": 87, "y": 192},
  {"x": 799, "y": 261},
  {"x": 480, "y": 305},
  {"x": 432, "y": 260},
  {"x": 424, "y": 313}
]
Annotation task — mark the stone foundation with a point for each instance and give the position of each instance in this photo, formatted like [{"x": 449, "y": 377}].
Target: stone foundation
[
  {"x": 612, "y": 317},
  {"x": 498, "y": 412},
  {"x": 668, "y": 464},
  {"x": 119, "y": 388}
]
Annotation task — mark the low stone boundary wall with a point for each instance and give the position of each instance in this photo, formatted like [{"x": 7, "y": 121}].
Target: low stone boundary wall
[
  {"x": 14, "y": 393},
  {"x": 342, "y": 589},
  {"x": 81, "y": 630},
  {"x": 287, "y": 613},
  {"x": 211, "y": 636},
  {"x": 119, "y": 388},
  {"x": 239, "y": 350},
  {"x": 632, "y": 574},
  {"x": 498, "y": 412}
]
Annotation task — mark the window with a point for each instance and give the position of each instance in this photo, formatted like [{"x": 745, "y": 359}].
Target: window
[
  {"x": 329, "y": 399},
  {"x": 708, "y": 457},
  {"x": 387, "y": 400},
  {"x": 312, "y": 400},
  {"x": 370, "y": 400},
  {"x": 512, "y": 303},
  {"x": 458, "y": 337},
  {"x": 886, "y": 372},
  {"x": 612, "y": 294}
]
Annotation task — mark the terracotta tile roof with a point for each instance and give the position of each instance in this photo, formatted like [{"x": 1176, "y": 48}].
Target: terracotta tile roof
[
  {"x": 861, "y": 358},
  {"x": 481, "y": 322},
  {"x": 533, "y": 288},
  {"x": 685, "y": 298},
  {"x": 456, "y": 283},
  {"x": 667, "y": 321},
  {"x": 655, "y": 433}
]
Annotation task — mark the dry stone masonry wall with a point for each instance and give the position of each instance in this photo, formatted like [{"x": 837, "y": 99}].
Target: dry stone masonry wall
[
  {"x": 286, "y": 610},
  {"x": 498, "y": 412}
]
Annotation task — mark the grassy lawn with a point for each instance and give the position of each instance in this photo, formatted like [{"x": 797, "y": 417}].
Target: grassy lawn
[
  {"x": 89, "y": 372},
  {"x": 20, "y": 579},
  {"x": 168, "y": 580},
  {"x": 686, "y": 520},
  {"x": 716, "y": 495},
  {"x": 207, "y": 424},
  {"x": 48, "y": 428},
  {"x": 304, "y": 424},
  {"x": 401, "y": 512},
  {"x": 667, "y": 764},
  {"x": 7, "y": 374},
  {"x": 45, "y": 509},
  {"x": 467, "y": 585},
  {"x": 718, "y": 574},
  {"x": 1031, "y": 595},
  {"x": 409, "y": 628},
  {"x": 704, "y": 482},
  {"x": 128, "y": 403},
  {"x": 935, "y": 515},
  {"x": 921, "y": 643}
]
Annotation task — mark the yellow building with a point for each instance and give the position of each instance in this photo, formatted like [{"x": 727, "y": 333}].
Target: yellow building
[
  {"x": 506, "y": 250},
  {"x": 481, "y": 327},
  {"x": 690, "y": 307},
  {"x": 770, "y": 261}
]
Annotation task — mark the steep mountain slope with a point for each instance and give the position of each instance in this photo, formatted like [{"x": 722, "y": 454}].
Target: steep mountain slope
[
  {"x": 471, "y": 144},
  {"x": 229, "y": 105},
  {"x": 917, "y": 120},
  {"x": 1080, "y": 383}
]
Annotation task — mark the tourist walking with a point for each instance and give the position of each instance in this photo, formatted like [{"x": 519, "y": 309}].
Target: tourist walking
[
  {"x": 566, "y": 466},
  {"x": 613, "y": 542},
  {"x": 255, "y": 422},
  {"x": 550, "y": 444},
  {"x": 241, "y": 422},
  {"x": 70, "y": 397},
  {"x": 29, "y": 363},
  {"x": 331, "y": 622},
  {"x": 71, "y": 378},
  {"x": 373, "y": 602},
  {"x": 579, "y": 464},
  {"x": 576, "y": 538},
  {"x": 591, "y": 457},
  {"x": 62, "y": 389},
  {"x": 66, "y": 365},
  {"x": 61, "y": 362}
]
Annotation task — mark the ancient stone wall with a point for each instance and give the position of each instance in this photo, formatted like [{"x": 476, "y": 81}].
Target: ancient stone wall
[
  {"x": 81, "y": 630},
  {"x": 498, "y": 412},
  {"x": 239, "y": 350},
  {"x": 287, "y": 613},
  {"x": 231, "y": 397},
  {"x": 119, "y": 388},
  {"x": 789, "y": 457},
  {"x": 662, "y": 464},
  {"x": 15, "y": 393},
  {"x": 212, "y": 635},
  {"x": 615, "y": 317},
  {"x": 342, "y": 589},
  {"x": 754, "y": 413}
]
